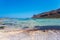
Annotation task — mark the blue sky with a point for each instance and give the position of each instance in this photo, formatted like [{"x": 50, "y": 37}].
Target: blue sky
[{"x": 26, "y": 8}]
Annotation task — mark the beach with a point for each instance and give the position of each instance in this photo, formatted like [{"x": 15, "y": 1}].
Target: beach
[{"x": 29, "y": 35}]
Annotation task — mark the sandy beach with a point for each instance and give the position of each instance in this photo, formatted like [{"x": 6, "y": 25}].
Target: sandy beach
[{"x": 29, "y": 35}]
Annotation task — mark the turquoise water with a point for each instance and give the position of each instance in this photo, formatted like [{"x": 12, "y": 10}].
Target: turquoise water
[{"x": 31, "y": 23}]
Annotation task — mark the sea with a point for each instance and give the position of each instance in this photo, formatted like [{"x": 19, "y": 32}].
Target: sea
[{"x": 23, "y": 23}]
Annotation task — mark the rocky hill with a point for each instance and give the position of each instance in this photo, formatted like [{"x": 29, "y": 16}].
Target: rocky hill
[{"x": 50, "y": 14}]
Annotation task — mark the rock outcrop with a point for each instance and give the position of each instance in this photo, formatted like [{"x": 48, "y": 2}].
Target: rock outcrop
[{"x": 50, "y": 14}]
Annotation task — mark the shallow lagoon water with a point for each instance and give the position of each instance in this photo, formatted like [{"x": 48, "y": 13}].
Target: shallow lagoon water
[{"x": 31, "y": 23}]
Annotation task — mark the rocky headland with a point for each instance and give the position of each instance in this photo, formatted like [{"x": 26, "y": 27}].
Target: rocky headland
[{"x": 50, "y": 14}]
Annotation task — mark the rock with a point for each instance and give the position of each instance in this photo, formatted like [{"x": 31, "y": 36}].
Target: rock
[
  {"x": 50, "y": 14},
  {"x": 2, "y": 27}
]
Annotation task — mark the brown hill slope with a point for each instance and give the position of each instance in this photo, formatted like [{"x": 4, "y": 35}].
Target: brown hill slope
[{"x": 50, "y": 14}]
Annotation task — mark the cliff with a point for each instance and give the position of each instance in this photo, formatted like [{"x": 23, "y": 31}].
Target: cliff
[{"x": 50, "y": 14}]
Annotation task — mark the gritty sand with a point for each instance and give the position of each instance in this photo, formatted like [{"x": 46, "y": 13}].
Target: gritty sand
[{"x": 29, "y": 35}]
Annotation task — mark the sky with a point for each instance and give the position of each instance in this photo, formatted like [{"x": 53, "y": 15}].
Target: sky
[{"x": 26, "y": 8}]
